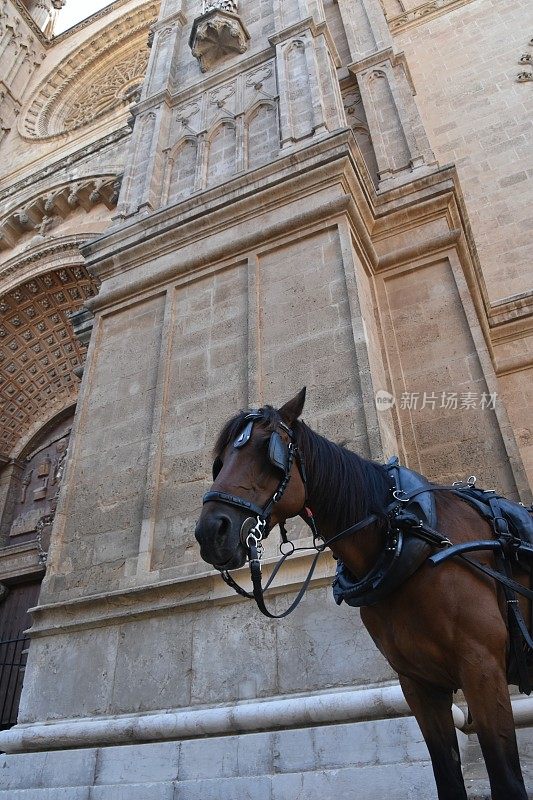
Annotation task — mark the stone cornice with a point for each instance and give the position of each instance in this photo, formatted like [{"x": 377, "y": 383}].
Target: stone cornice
[
  {"x": 325, "y": 162},
  {"x": 511, "y": 320},
  {"x": 512, "y": 315},
  {"x": 225, "y": 203},
  {"x": 423, "y": 13}
]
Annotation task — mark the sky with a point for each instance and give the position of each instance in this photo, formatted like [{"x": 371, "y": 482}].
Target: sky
[{"x": 76, "y": 10}]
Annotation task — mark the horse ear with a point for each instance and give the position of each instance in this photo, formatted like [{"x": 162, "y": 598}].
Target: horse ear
[{"x": 293, "y": 408}]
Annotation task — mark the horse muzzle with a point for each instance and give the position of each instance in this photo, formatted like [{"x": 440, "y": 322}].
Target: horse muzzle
[{"x": 218, "y": 535}]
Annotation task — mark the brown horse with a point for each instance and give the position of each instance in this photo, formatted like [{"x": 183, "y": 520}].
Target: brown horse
[{"x": 443, "y": 629}]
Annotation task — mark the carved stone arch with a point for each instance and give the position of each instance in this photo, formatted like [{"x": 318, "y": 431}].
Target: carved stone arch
[
  {"x": 42, "y": 426},
  {"x": 252, "y": 110},
  {"x": 181, "y": 170},
  {"x": 41, "y": 258},
  {"x": 262, "y": 136},
  {"x": 221, "y": 160},
  {"x": 39, "y": 353},
  {"x": 94, "y": 81}
]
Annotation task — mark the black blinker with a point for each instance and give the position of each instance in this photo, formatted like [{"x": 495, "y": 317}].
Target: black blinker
[
  {"x": 244, "y": 435},
  {"x": 217, "y": 466},
  {"x": 277, "y": 452}
]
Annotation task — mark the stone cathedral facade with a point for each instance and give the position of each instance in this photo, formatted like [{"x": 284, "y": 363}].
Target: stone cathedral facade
[{"x": 205, "y": 206}]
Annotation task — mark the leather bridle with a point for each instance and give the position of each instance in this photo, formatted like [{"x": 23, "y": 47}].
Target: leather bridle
[
  {"x": 282, "y": 456},
  {"x": 254, "y": 531}
]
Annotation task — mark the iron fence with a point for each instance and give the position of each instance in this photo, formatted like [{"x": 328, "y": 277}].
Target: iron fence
[{"x": 13, "y": 656}]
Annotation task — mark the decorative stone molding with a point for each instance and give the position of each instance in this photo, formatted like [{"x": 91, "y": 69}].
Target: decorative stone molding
[
  {"x": 245, "y": 107},
  {"x": 94, "y": 81},
  {"x": 345, "y": 705},
  {"x": 38, "y": 349},
  {"x": 28, "y": 19},
  {"x": 216, "y": 35},
  {"x": 224, "y": 5},
  {"x": 46, "y": 211},
  {"x": 423, "y": 13}
]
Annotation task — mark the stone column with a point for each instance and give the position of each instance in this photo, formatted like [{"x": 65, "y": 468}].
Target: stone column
[
  {"x": 400, "y": 142},
  {"x": 143, "y": 178}
]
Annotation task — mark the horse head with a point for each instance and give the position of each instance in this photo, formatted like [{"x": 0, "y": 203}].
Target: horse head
[{"x": 257, "y": 482}]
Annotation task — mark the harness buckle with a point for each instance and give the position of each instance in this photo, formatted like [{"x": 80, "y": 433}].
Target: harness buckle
[{"x": 401, "y": 496}]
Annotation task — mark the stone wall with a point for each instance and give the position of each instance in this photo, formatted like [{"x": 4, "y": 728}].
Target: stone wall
[
  {"x": 464, "y": 66},
  {"x": 282, "y": 222}
]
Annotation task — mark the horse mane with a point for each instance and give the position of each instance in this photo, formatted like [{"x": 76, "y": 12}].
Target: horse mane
[{"x": 344, "y": 487}]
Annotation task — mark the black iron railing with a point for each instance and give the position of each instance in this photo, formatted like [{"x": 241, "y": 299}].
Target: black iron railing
[{"x": 13, "y": 655}]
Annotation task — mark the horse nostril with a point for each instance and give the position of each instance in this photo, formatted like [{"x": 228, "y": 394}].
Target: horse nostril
[{"x": 223, "y": 529}]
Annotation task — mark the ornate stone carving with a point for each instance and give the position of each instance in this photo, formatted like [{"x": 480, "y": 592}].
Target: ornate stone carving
[
  {"x": 38, "y": 352},
  {"x": 44, "y": 212},
  {"x": 423, "y": 12},
  {"x": 98, "y": 78},
  {"x": 246, "y": 107},
  {"x": 225, "y": 5},
  {"x": 216, "y": 35},
  {"x": 527, "y": 60},
  {"x": 118, "y": 85}
]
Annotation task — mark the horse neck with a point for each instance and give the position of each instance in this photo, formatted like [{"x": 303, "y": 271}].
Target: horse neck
[{"x": 342, "y": 489}]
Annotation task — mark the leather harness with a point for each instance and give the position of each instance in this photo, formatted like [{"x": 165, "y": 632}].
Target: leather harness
[{"x": 410, "y": 538}]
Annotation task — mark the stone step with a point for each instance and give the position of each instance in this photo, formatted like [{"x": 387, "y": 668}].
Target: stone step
[{"x": 377, "y": 760}]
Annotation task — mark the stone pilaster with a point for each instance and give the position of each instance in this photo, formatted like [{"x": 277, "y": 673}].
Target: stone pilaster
[
  {"x": 400, "y": 142},
  {"x": 141, "y": 187}
]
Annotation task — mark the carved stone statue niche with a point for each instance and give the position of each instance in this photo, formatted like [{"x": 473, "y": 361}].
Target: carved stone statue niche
[{"x": 218, "y": 33}]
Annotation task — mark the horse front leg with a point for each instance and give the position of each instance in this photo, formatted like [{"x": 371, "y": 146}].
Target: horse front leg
[
  {"x": 487, "y": 695},
  {"x": 432, "y": 708}
]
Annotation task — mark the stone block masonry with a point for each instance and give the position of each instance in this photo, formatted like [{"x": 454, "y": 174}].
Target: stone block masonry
[{"x": 464, "y": 66}]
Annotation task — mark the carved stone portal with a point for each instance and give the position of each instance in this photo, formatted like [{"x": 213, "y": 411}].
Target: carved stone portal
[{"x": 216, "y": 35}]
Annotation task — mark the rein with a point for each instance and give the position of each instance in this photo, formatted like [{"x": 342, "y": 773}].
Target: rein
[
  {"x": 255, "y": 529},
  {"x": 254, "y": 559}
]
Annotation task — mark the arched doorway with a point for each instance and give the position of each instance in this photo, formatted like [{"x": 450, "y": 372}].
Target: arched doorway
[{"x": 40, "y": 358}]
